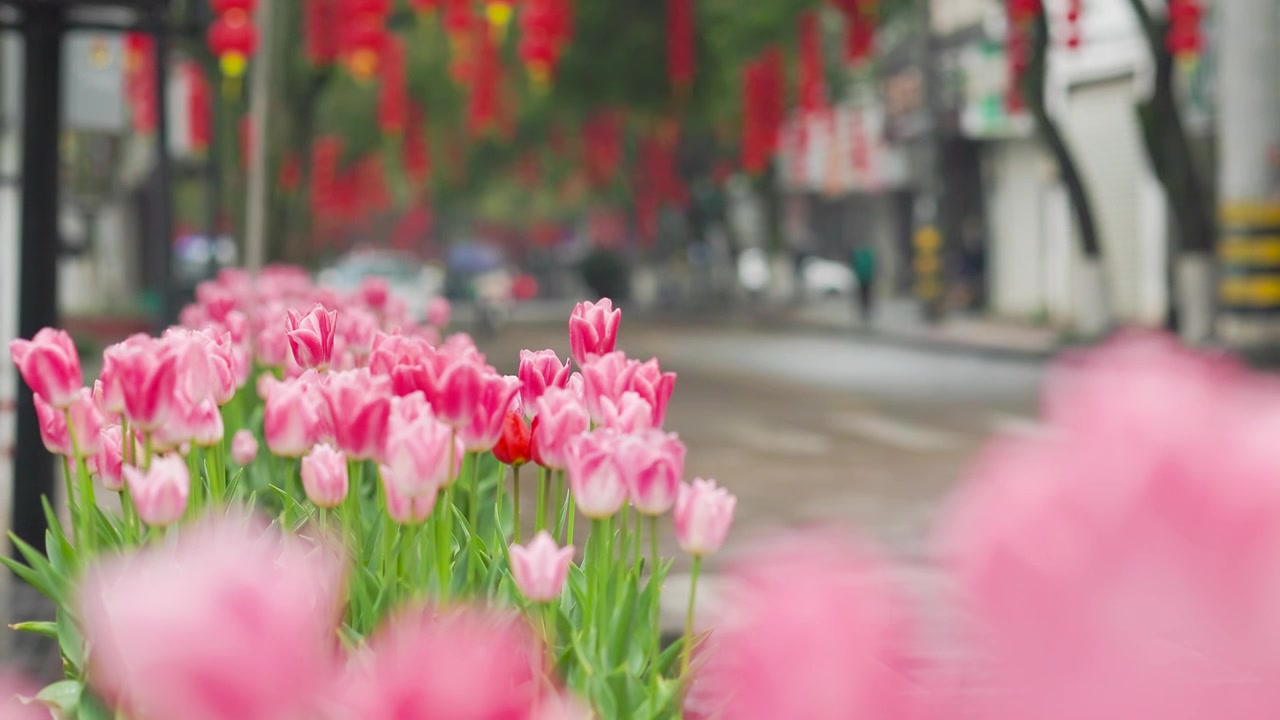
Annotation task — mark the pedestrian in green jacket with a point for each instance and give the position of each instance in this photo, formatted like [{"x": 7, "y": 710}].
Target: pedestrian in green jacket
[{"x": 864, "y": 271}]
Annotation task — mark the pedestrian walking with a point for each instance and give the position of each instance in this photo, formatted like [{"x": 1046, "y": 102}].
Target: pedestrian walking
[{"x": 864, "y": 271}]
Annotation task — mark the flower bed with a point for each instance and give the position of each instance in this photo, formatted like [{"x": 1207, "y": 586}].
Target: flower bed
[{"x": 321, "y": 517}]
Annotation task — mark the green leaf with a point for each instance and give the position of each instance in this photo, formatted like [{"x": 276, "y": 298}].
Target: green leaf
[
  {"x": 63, "y": 695},
  {"x": 39, "y": 627},
  {"x": 61, "y": 549},
  {"x": 69, "y": 640},
  {"x": 109, "y": 534},
  {"x": 33, "y": 578},
  {"x": 91, "y": 708},
  {"x": 55, "y": 585}
]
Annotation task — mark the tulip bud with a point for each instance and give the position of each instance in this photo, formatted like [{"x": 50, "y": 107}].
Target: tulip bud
[
  {"x": 110, "y": 460},
  {"x": 291, "y": 419},
  {"x": 324, "y": 476},
  {"x": 629, "y": 414},
  {"x": 244, "y": 447},
  {"x": 607, "y": 376},
  {"x": 593, "y": 329},
  {"x": 538, "y": 371},
  {"x": 496, "y": 392},
  {"x": 50, "y": 364},
  {"x": 513, "y": 445},
  {"x": 360, "y": 405},
  {"x": 594, "y": 476},
  {"x": 311, "y": 336},
  {"x": 653, "y": 464},
  {"x": 438, "y": 312},
  {"x": 160, "y": 493},
  {"x": 703, "y": 514},
  {"x": 53, "y": 428},
  {"x": 417, "y": 454},
  {"x": 559, "y": 420},
  {"x": 540, "y": 568}
]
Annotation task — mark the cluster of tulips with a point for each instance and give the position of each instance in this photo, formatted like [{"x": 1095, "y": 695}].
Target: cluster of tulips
[
  {"x": 1123, "y": 563},
  {"x": 392, "y": 445}
]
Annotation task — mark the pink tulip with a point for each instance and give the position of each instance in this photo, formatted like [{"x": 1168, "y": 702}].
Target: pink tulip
[
  {"x": 461, "y": 382},
  {"x": 147, "y": 373},
  {"x": 86, "y": 423},
  {"x": 291, "y": 418},
  {"x": 438, "y": 312},
  {"x": 271, "y": 346},
  {"x": 703, "y": 514},
  {"x": 50, "y": 364},
  {"x": 655, "y": 387},
  {"x": 233, "y": 620},
  {"x": 407, "y": 509},
  {"x": 160, "y": 493},
  {"x": 428, "y": 663},
  {"x": 540, "y": 568},
  {"x": 244, "y": 447},
  {"x": 324, "y": 476},
  {"x": 374, "y": 291},
  {"x": 311, "y": 336},
  {"x": 577, "y": 386},
  {"x": 538, "y": 371},
  {"x": 360, "y": 404},
  {"x": 462, "y": 345},
  {"x": 53, "y": 428},
  {"x": 594, "y": 476},
  {"x": 110, "y": 460},
  {"x": 409, "y": 408},
  {"x": 195, "y": 372},
  {"x": 223, "y": 370},
  {"x": 653, "y": 464},
  {"x": 264, "y": 383},
  {"x": 205, "y": 424},
  {"x": 607, "y": 376},
  {"x": 630, "y": 414},
  {"x": 560, "y": 419},
  {"x": 236, "y": 324},
  {"x": 808, "y": 631},
  {"x": 1126, "y": 563},
  {"x": 112, "y": 395},
  {"x": 485, "y": 428},
  {"x": 357, "y": 330},
  {"x": 593, "y": 330},
  {"x": 416, "y": 456},
  {"x": 388, "y": 352}
]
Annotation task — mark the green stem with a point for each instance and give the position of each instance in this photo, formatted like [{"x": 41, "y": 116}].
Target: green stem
[
  {"x": 558, "y": 500},
  {"x": 499, "y": 531},
  {"x": 197, "y": 483},
  {"x": 146, "y": 451},
  {"x": 131, "y": 523},
  {"x": 444, "y": 541},
  {"x": 473, "y": 516},
  {"x": 549, "y": 627},
  {"x": 515, "y": 501},
  {"x": 540, "y": 517},
  {"x": 686, "y": 652},
  {"x": 573, "y": 514},
  {"x": 87, "y": 502},
  {"x": 655, "y": 631},
  {"x": 216, "y": 459},
  {"x": 72, "y": 504},
  {"x": 626, "y": 534},
  {"x": 637, "y": 542}
]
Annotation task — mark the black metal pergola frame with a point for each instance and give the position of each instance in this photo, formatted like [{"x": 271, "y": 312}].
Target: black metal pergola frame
[{"x": 43, "y": 24}]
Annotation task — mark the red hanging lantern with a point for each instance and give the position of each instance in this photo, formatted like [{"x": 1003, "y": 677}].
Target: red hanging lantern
[
  {"x": 363, "y": 35},
  {"x": 233, "y": 38},
  {"x": 393, "y": 97},
  {"x": 483, "y": 105},
  {"x": 680, "y": 43},
  {"x": 861, "y": 18},
  {"x": 320, "y": 24},
  {"x": 198, "y": 129},
  {"x": 140, "y": 83},
  {"x": 326, "y": 152},
  {"x": 762, "y": 112},
  {"x": 813, "y": 90},
  {"x": 545, "y": 28},
  {"x": 1021, "y": 13},
  {"x": 602, "y": 137},
  {"x": 1184, "y": 40},
  {"x": 372, "y": 181}
]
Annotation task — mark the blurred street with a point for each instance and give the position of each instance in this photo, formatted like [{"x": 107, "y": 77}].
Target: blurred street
[{"x": 821, "y": 429}]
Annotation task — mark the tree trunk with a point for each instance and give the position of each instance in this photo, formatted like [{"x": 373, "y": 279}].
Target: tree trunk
[{"x": 1072, "y": 180}]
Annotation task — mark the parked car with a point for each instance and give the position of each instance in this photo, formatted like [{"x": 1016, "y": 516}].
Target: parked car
[
  {"x": 410, "y": 279},
  {"x": 826, "y": 278}
]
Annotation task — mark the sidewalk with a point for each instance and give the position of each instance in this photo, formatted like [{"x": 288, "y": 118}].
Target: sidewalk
[{"x": 901, "y": 322}]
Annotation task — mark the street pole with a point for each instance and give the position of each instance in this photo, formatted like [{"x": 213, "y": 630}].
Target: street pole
[
  {"x": 1248, "y": 142},
  {"x": 38, "y": 286},
  {"x": 255, "y": 245}
]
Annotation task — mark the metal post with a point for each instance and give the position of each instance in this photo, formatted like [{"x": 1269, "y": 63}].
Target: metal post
[
  {"x": 259, "y": 102},
  {"x": 162, "y": 205},
  {"x": 1248, "y": 138},
  {"x": 38, "y": 285}
]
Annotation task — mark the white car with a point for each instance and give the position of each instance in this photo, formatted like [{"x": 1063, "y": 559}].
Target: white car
[
  {"x": 411, "y": 280},
  {"x": 827, "y": 278}
]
